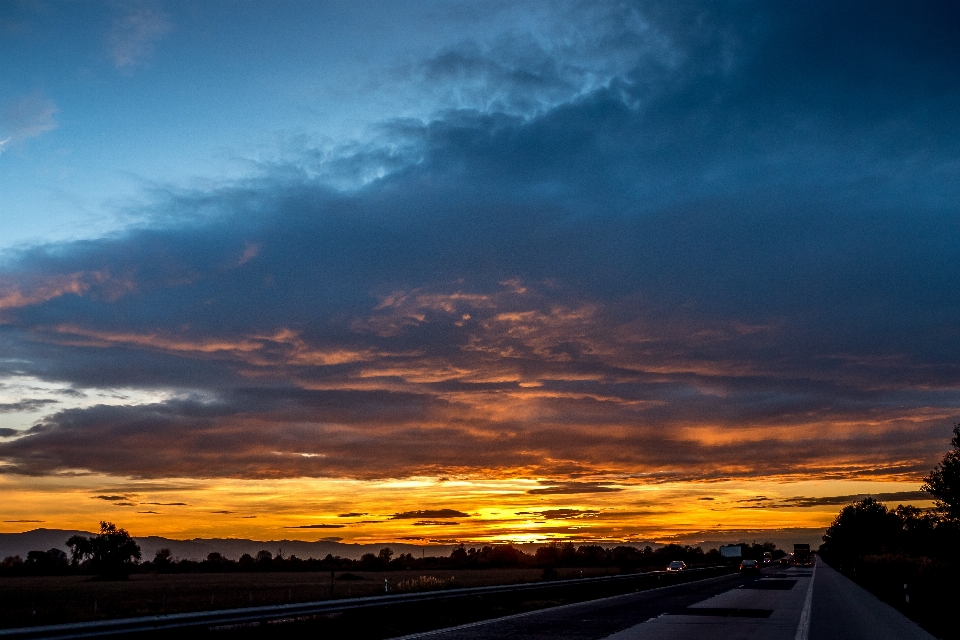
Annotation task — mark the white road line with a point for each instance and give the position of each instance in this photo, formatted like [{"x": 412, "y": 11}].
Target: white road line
[{"x": 803, "y": 631}]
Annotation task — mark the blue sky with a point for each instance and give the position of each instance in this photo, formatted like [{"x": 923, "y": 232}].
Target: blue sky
[
  {"x": 112, "y": 100},
  {"x": 598, "y": 242}
]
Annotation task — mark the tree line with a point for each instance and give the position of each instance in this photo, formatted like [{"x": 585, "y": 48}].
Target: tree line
[
  {"x": 114, "y": 554},
  {"x": 907, "y": 556}
]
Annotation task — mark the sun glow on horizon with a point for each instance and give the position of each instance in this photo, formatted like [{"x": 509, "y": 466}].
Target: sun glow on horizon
[{"x": 427, "y": 510}]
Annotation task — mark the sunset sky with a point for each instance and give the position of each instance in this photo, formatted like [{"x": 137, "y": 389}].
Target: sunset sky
[{"x": 481, "y": 271}]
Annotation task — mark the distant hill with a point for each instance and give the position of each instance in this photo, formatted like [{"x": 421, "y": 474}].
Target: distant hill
[
  {"x": 18, "y": 544},
  {"x": 12, "y": 544},
  {"x": 233, "y": 548}
]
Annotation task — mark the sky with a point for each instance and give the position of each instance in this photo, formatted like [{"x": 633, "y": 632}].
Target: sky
[{"x": 474, "y": 271}]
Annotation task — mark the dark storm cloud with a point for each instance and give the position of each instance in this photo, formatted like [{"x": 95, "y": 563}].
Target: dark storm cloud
[
  {"x": 318, "y": 526},
  {"x": 749, "y": 229}
]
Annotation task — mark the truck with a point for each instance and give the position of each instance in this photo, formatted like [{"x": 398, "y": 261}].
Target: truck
[
  {"x": 801, "y": 554},
  {"x": 731, "y": 551}
]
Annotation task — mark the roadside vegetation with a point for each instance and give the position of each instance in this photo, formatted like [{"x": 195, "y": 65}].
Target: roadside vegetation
[
  {"x": 908, "y": 557},
  {"x": 113, "y": 554}
]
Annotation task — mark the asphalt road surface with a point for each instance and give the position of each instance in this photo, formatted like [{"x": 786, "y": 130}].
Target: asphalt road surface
[{"x": 790, "y": 604}]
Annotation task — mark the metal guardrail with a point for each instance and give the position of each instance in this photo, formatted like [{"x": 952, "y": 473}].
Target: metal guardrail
[{"x": 229, "y": 618}]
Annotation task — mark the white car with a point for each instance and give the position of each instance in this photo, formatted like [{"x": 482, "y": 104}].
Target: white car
[{"x": 677, "y": 565}]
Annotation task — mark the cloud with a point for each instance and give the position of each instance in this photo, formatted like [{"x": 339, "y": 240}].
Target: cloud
[
  {"x": 568, "y": 51},
  {"x": 32, "y": 404},
  {"x": 134, "y": 35},
  {"x": 351, "y": 515},
  {"x": 897, "y": 496},
  {"x": 560, "y": 514},
  {"x": 23, "y": 521},
  {"x": 168, "y": 504},
  {"x": 318, "y": 526},
  {"x": 732, "y": 241},
  {"x": 29, "y": 291},
  {"x": 110, "y": 498},
  {"x": 430, "y": 513},
  {"x": 819, "y": 501},
  {"x": 26, "y": 117},
  {"x": 435, "y": 523},
  {"x": 72, "y": 393},
  {"x": 572, "y": 488},
  {"x": 6, "y": 432}
]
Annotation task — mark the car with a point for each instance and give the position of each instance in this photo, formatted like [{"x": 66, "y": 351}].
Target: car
[
  {"x": 677, "y": 565},
  {"x": 749, "y": 567}
]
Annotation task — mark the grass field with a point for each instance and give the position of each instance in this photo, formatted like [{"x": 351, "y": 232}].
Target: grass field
[{"x": 55, "y": 599}]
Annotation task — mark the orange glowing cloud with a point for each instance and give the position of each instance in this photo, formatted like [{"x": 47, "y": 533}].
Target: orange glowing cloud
[
  {"x": 36, "y": 290},
  {"x": 13, "y": 296},
  {"x": 282, "y": 347}
]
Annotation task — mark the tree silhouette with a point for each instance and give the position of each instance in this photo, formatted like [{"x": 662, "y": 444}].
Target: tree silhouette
[
  {"x": 110, "y": 553},
  {"x": 49, "y": 562},
  {"x": 163, "y": 560},
  {"x": 860, "y": 529},
  {"x": 943, "y": 483}
]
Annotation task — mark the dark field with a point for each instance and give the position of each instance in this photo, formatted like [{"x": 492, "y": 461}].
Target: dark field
[{"x": 26, "y": 601}]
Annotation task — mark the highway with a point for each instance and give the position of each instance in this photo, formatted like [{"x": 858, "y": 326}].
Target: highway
[
  {"x": 370, "y": 616},
  {"x": 796, "y": 603}
]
